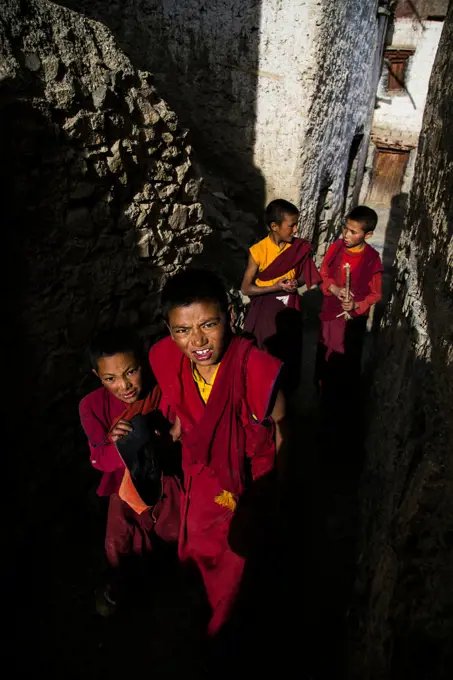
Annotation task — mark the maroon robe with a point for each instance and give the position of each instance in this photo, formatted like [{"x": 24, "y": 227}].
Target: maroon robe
[
  {"x": 127, "y": 533},
  {"x": 262, "y": 316},
  {"x": 226, "y": 445},
  {"x": 333, "y": 328},
  {"x": 339, "y": 354}
]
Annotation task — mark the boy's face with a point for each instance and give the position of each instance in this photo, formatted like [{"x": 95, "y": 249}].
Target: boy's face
[
  {"x": 201, "y": 331},
  {"x": 353, "y": 234},
  {"x": 121, "y": 374},
  {"x": 287, "y": 229}
]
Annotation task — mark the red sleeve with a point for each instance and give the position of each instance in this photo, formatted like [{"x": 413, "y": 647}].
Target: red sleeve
[
  {"x": 311, "y": 274},
  {"x": 103, "y": 453},
  {"x": 326, "y": 281},
  {"x": 373, "y": 296},
  {"x": 262, "y": 375}
]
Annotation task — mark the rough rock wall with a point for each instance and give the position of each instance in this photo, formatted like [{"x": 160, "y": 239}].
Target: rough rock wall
[
  {"x": 273, "y": 90},
  {"x": 333, "y": 149},
  {"x": 204, "y": 56},
  {"x": 101, "y": 204},
  {"x": 406, "y": 568}
]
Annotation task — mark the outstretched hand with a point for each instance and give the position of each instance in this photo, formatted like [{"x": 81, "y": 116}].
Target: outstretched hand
[{"x": 121, "y": 429}]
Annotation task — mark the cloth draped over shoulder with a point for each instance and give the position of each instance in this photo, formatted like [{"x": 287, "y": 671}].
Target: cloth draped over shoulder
[
  {"x": 369, "y": 263},
  {"x": 261, "y": 317},
  {"x": 217, "y": 434},
  {"x": 228, "y": 444}
]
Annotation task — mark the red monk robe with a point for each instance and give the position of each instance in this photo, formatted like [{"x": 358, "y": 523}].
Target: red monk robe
[
  {"x": 341, "y": 341},
  {"x": 128, "y": 532},
  {"x": 274, "y": 318},
  {"x": 226, "y": 445}
]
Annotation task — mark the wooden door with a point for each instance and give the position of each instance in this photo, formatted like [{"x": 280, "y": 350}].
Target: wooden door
[{"x": 388, "y": 174}]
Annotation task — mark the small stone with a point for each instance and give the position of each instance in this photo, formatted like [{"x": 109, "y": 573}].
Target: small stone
[
  {"x": 182, "y": 170},
  {"x": 178, "y": 219},
  {"x": 32, "y": 62},
  {"x": 166, "y": 190},
  {"x": 148, "y": 134},
  {"x": 170, "y": 152},
  {"x": 50, "y": 67},
  {"x": 192, "y": 190},
  {"x": 99, "y": 96},
  {"x": 143, "y": 244},
  {"x": 195, "y": 213},
  {"x": 115, "y": 164},
  {"x": 161, "y": 172},
  {"x": 167, "y": 137},
  {"x": 142, "y": 218}
]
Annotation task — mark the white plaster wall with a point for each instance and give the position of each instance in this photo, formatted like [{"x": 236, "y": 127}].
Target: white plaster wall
[
  {"x": 263, "y": 92},
  {"x": 273, "y": 91},
  {"x": 399, "y": 116},
  {"x": 289, "y": 30},
  {"x": 348, "y": 54}
]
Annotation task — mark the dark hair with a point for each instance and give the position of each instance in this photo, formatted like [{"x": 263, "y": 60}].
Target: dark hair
[
  {"x": 193, "y": 285},
  {"x": 114, "y": 341},
  {"x": 276, "y": 211},
  {"x": 366, "y": 216}
]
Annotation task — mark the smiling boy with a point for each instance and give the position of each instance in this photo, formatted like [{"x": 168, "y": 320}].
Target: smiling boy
[
  {"x": 343, "y": 322},
  {"x": 106, "y": 413},
  {"x": 231, "y": 413},
  {"x": 277, "y": 266}
]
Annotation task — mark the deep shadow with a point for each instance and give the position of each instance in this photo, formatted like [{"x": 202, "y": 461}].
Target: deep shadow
[
  {"x": 393, "y": 232},
  {"x": 65, "y": 280},
  {"x": 204, "y": 57}
]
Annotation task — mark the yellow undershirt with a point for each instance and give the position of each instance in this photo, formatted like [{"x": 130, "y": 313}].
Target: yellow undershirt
[
  {"x": 264, "y": 253},
  {"x": 204, "y": 387}
]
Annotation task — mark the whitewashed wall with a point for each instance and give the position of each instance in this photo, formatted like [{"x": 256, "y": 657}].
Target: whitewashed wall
[{"x": 399, "y": 116}]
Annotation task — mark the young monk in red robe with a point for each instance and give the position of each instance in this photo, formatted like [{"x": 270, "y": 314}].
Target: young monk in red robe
[
  {"x": 106, "y": 415},
  {"x": 278, "y": 265},
  {"x": 230, "y": 412},
  {"x": 343, "y": 322}
]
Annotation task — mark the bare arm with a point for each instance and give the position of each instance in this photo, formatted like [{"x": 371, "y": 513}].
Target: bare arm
[{"x": 248, "y": 287}]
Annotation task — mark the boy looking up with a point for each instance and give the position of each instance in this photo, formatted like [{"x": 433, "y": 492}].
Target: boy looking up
[
  {"x": 278, "y": 265},
  {"x": 106, "y": 413},
  {"x": 231, "y": 413},
  {"x": 343, "y": 320}
]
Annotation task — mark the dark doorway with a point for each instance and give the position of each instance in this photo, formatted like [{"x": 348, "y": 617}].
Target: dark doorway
[{"x": 388, "y": 174}]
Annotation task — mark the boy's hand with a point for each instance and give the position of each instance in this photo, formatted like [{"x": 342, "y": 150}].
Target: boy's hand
[
  {"x": 287, "y": 285},
  {"x": 121, "y": 429},
  {"x": 348, "y": 306},
  {"x": 340, "y": 293},
  {"x": 175, "y": 432}
]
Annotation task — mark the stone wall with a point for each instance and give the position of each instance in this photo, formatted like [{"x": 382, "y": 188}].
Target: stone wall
[
  {"x": 274, "y": 91},
  {"x": 333, "y": 149},
  {"x": 101, "y": 205},
  {"x": 405, "y": 601}
]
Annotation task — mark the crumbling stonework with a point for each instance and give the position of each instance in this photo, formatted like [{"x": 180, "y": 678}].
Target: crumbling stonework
[
  {"x": 406, "y": 567},
  {"x": 274, "y": 91},
  {"x": 102, "y": 200}
]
